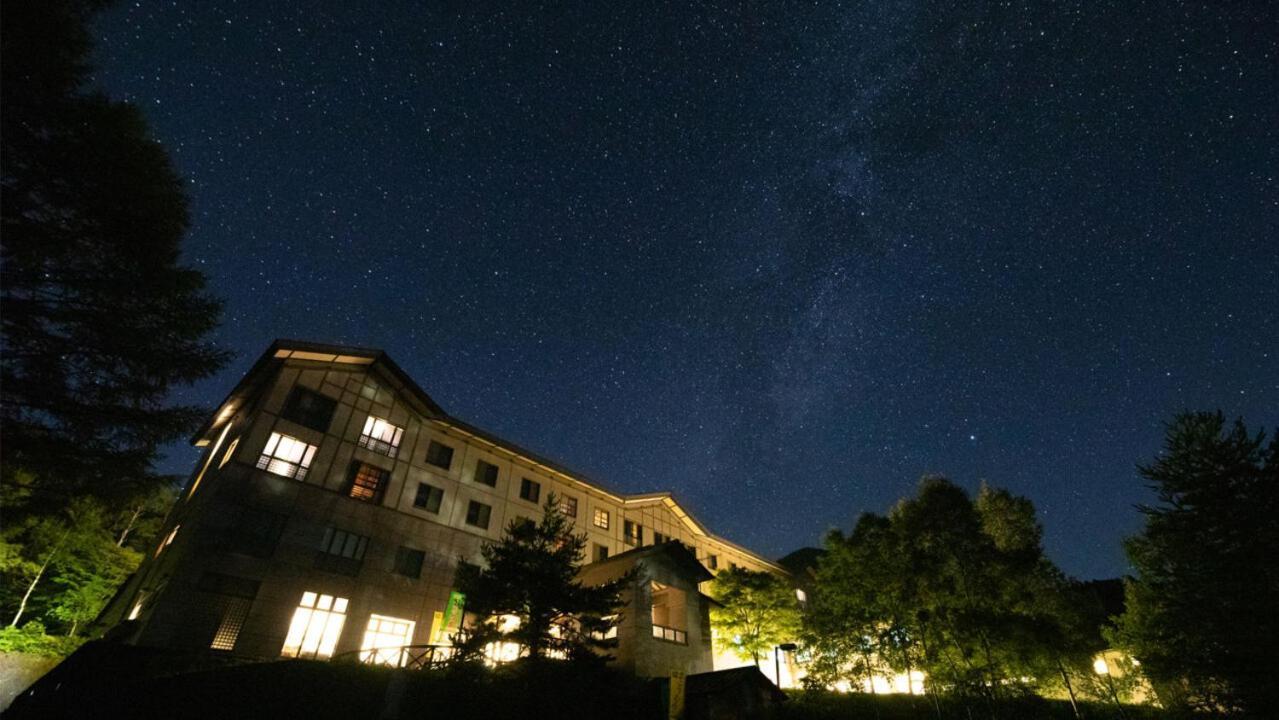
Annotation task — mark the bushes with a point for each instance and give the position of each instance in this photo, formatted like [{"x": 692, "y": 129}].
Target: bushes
[
  {"x": 30, "y": 639},
  {"x": 822, "y": 705}
]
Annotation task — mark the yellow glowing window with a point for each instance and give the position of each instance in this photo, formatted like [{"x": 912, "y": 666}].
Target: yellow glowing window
[
  {"x": 367, "y": 482},
  {"x": 384, "y": 640},
  {"x": 286, "y": 456},
  {"x": 168, "y": 540},
  {"x": 601, "y": 519},
  {"x": 316, "y": 625},
  {"x": 381, "y": 436}
]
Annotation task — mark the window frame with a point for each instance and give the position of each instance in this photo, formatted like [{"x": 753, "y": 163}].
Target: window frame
[
  {"x": 568, "y": 506},
  {"x": 308, "y": 417},
  {"x": 487, "y": 512},
  {"x": 401, "y": 553},
  {"x": 432, "y": 493},
  {"x": 383, "y": 439},
  {"x": 489, "y": 471},
  {"x": 526, "y": 483},
  {"x": 601, "y": 512},
  {"x": 296, "y": 469},
  {"x": 430, "y": 448},
  {"x": 374, "y": 493}
]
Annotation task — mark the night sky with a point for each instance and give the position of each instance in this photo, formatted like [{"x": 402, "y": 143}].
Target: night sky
[{"x": 782, "y": 260}]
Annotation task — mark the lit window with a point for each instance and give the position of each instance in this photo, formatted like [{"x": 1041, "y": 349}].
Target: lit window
[
  {"x": 601, "y": 519},
  {"x": 227, "y": 599},
  {"x": 632, "y": 533},
  {"x": 137, "y": 606},
  {"x": 384, "y": 640},
  {"x": 168, "y": 540},
  {"x": 801, "y": 596},
  {"x": 568, "y": 506},
  {"x": 316, "y": 625},
  {"x": 439, "y": 455},
  {"x": 309, "y": 408},
  {"x": 367, "y": 481},
  {"x": 428, "y": 498},
  {"x": 530, "y": 490},
  {"x": 477, "y": 514},
  {"x": 381, "y": 436},
  {"x": 286, "y": 456},
  {"x": 669, "y": 613},
  {"x": 230, "y": 450},
  {"x": 486, "y": 473}
]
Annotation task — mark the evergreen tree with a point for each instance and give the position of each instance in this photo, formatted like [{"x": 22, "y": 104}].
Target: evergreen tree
[
  {"x": 531, "y": 575},
  {"x": 99, "y": 319},
  {"x": 757, "y": 611},
  {"x": 1201, "y": 612}
]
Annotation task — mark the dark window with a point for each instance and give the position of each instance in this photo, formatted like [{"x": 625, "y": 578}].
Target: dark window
[
  {"x": 632, "y": 533},
  {"x": 486, "y": 473},
  {"x": 215, "y": 615},
  {"x": 255, "y": 532},
  {"x": 428, "y": 498},
  {"x": 439, "y": 455},
  {"x": 309, "y": 408},
  {"x": 659, "y": 538},
  {"x": 341, "y": 551},
  {"x": 367, "y": 482},
  {"x": 408, "y": 562},
  {"x": 568, "y": 506},
  {"x": 530, "y": 490},
  {"x": 601, "y": 552},
  {"x": 712, "y": 561},
  {"x": 477, "y": 514}
]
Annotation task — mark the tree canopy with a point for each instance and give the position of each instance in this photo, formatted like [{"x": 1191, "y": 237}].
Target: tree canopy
[
  {"x": 1201, "y": 612},
  {"x": 757, "y": 610},
  {"x": 531, "y": 574}
]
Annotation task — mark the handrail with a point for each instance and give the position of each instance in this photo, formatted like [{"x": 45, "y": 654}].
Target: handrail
[{"x": 412, "y": 657}]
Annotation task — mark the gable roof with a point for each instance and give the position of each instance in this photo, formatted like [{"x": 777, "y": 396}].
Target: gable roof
[
  {"x": 675, "y": 551},
  {"x": 265, "y": 367}
]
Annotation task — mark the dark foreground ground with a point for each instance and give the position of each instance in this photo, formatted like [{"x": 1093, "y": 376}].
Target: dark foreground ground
[{"x": 112, "y": 681}]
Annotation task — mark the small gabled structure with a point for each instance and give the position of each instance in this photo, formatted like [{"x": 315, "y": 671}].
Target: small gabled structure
[{"x": 666, "y": 623}]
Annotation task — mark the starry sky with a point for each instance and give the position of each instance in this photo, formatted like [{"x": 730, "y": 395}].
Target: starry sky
[{"x": 779, "y": 258}]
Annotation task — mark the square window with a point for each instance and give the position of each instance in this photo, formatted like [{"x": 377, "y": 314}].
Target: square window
[
  {"x": 530, "y": 490},
  {"x": 568, "y": 506},
  {"x": 309, "y": 408},
  {"x": 341, "y": 552},
  {"x": 439, "y": 455},
  {"x": 428, "y": 498},
  {"x": 601, "y": 552},
  {"x": 659, "y": 538},
  {"x": 601, "y": 519},
  {"x": 408, "y": 562},
  {"x": 286, "y": 456},
  {"x": 477, "y": 514},
  {"x": 367, "y": 482},
  {"x": 381, "y": 436},
  {"x": 485, "y": 473},
  {"x": 632, "y": 533}
]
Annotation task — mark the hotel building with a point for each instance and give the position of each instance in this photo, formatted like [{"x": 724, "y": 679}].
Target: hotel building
[{"x": 333, "y": 499}]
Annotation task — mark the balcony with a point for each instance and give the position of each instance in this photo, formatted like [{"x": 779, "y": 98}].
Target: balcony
[{"x": 670, "y": 634}]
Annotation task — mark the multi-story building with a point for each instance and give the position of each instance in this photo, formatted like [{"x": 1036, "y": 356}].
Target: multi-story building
[{"x": 332, "y": 502}]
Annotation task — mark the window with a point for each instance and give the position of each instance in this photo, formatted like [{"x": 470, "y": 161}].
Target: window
[
  {"x": 659, "y": 538},
  {"x": 439, "y": 455},
  {"x": 712, "y": 562},
  {"x": 255, "y": 532},
  {"x": 601, "y": 552},
  {"x": 801, "y": 596},
  {"x": 316, "y": 625},
  {"x": 486, "y": 473},
  {"x": 381, "y": 436},
  {"x": 428, "y": 498},
  {"x": 632, "y": 533},
  {"x": 309, "y": 408},
  {"x": 286, "y": 456},
  {"x": 227, "y": 600},
  {"x": 384, "y": 640},
  {"x": 669, "y": 613},
  {"x": 341, "y": 551},
  {"x": 601, "y": 519},
  {"x": 568, "y": 506},
  {"x": 230, "y": 450},
  {"x": 408, "y": 562},
  {"x": 168, "y": 539},
  {"x": 530, "y": 490},
  {"x": 367, "y": 482},
  {"x": 477, "y": 514}
]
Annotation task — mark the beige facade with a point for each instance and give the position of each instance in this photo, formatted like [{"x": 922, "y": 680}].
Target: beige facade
[{"x": 332, "y": 502}]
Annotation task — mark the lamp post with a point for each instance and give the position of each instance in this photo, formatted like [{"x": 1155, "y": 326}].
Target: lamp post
[{"x": 777, "y": 663}]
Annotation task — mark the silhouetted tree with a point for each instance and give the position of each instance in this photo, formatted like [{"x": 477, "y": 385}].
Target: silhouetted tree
[
  {"x": 100, "y": 321},
  {"x": 531, "y": 575},
  {"x": 1201, "y": 612}
]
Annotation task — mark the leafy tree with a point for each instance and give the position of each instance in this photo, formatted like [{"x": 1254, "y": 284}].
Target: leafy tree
[
  {"x": 531, "y": 574},
  {"x": 99, "y": 320},
  {"x": 1200, "y": 613},
  {"x": 758, "y": 610}
]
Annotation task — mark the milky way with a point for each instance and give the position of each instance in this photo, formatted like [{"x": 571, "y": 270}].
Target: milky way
[{"x": 781, "y": 260}]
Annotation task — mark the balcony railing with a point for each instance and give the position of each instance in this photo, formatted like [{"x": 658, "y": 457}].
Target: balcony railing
[
  {"x": 670, "y": 634},
  {"x": 412, "y": 657}
]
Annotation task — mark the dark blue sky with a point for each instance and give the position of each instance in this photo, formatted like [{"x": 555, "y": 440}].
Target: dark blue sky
[{"x": 781, "y": 259}]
